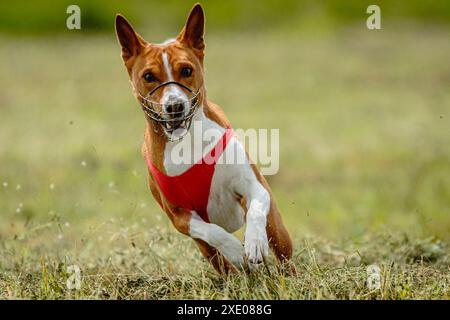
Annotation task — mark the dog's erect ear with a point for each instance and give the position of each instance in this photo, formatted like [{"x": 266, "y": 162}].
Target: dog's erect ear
[
  {"x": 131, "y": 42},
  {"x": 192, "y": 34}
]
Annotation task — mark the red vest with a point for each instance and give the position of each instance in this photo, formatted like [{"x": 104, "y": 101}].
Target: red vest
[{"x": 190, "y": 190}]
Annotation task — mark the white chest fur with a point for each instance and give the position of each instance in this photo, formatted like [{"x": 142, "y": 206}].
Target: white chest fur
[{"x": 230, "y": 180}]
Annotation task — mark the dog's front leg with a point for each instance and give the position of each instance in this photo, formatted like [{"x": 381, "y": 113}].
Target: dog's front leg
[
  {"x": 256, "y": 243},
  {"x": 226, "y": 243}
]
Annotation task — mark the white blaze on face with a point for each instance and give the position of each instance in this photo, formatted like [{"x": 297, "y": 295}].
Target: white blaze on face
[
  {"x": 173, "y": 94},
  {"x": 168, "y": 41}
]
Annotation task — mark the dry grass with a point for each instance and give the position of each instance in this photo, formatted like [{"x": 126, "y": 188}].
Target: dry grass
[{"x": 142, "y": 263}]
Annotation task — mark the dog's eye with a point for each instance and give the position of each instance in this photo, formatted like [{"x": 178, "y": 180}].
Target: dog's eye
[
  {"x": 186, "y": 72},
  {"x": 149, "y": 77}
]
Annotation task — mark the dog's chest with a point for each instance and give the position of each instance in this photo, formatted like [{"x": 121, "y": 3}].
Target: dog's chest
[{"x": 223, "y": 206}]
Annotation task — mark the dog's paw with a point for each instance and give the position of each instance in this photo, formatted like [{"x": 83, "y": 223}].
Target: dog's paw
[
  {"x": 233, "y": 251},
  {"x": 256, "y": 245}
]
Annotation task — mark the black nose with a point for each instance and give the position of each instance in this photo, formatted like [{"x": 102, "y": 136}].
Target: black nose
[{"x": 174, "y": 107}]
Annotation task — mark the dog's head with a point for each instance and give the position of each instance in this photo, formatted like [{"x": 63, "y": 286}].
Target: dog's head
[{"x": 167, "y": 78}]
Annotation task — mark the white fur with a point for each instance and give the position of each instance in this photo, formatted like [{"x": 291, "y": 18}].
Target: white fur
[
  {"x": 172, "y": 93},
  {"x": 167, "y": 67},
  {"x": 168, "y": 41},
  {"x": 229, "y": 182},
  {"x": 214, "y": 235}
]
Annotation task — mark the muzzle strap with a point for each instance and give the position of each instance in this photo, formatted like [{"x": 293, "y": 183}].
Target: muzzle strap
[{"x": 169, "y": 83}]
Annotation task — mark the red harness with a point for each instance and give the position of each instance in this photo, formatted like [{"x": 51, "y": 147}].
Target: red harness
[{"x": 190, "y": 190}]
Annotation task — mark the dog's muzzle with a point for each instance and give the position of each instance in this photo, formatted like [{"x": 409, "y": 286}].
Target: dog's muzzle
[{"x": 172, "y": 118}]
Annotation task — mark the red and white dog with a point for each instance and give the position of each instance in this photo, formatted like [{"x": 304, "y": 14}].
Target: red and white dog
[{"x": 206, "y": 200}]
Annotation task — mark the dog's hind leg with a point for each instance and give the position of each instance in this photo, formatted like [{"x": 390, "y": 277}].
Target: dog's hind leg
[{"x": 279, "y": 240}]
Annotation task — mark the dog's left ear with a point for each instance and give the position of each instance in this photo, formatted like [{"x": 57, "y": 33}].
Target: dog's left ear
[{"x": 192, "y": 34}]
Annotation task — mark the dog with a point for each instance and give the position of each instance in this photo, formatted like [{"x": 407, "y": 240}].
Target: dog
[{"x": 205, "y": 201}]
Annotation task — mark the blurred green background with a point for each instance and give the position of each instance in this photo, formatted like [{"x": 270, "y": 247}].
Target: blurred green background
[
  {"x": 363, "y": 115},
  {"x": 47, "y": 16}
]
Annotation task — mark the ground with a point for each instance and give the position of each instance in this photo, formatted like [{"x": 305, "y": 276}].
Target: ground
[{"x": 364, "y": 166}]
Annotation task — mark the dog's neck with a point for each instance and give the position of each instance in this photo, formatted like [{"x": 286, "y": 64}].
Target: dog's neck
[{"x": 159, "y": 149}]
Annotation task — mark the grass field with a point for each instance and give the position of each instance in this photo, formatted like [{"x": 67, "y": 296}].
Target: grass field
[{"x": 364, "y": 179}]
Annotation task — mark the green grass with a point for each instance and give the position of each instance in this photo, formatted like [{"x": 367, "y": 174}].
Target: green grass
[{"x": 364, "y": 179}]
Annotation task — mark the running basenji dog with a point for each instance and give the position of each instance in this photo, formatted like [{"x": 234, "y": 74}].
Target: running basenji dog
[{"x": 206, "y": 199}]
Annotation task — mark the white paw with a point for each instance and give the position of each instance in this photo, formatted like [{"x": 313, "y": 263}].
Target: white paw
[
  {"x": 233, "y": 251},
  {"x": 256, "y": 244}
]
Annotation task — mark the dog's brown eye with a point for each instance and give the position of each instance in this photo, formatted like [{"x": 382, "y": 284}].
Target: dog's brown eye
[
  {"x": 186, "y": 72},
  {"x": 149, "y": 77}
]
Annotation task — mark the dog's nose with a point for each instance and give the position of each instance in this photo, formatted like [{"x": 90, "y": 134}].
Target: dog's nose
[{"x": 174, "y": 107}]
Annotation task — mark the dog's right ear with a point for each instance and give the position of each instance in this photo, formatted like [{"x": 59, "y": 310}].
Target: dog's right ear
[{"x": 131, "y": 42}]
